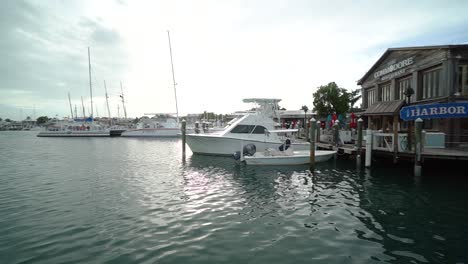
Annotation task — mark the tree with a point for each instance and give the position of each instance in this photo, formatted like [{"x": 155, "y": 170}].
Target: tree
[
  {"x": 42, "y": 119},
  {"x": 1, "y": 119},
  {"x": 8, "y": 120},
  {"x": 305, "y": 109},
  {"x": 330, "y": 99},
  {"x": 354, "y": 96}
]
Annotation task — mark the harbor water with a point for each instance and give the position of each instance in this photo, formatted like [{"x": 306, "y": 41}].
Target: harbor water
[{"x": 130, "y": 200}]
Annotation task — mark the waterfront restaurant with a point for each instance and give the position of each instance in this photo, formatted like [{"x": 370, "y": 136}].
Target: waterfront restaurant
[{"x": 419, "y": 82}]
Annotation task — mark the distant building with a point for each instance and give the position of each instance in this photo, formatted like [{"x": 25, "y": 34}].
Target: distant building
[{"x": 435, "y": 77}]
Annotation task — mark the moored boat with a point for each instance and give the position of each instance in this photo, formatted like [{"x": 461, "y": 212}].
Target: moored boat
[{"x": 300, "y": 157}]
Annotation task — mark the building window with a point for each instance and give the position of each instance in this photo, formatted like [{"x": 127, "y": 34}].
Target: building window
[
  {"x": 370, "y": 97},
  {"x": 463, "y": 79},
  {"x": 385, "y": 94},
  {"x": 431, "y": 84},
  {"x": 402, "y": 85}
]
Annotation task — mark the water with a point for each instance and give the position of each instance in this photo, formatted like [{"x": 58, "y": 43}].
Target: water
[{"x": 123, "y": 200}]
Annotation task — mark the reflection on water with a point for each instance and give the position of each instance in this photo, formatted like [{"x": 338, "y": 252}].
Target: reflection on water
[{"x": 132, "y": 200}]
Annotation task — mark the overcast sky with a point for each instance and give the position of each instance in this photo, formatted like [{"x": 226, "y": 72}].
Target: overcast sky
[{"x": 223, "y": 51}]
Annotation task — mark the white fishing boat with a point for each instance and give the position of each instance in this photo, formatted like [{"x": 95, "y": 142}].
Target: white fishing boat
[
  {"x": 160, "y": 125},
  {"x": 258, "y": 128},
  {"x": 275, "y": 157}
]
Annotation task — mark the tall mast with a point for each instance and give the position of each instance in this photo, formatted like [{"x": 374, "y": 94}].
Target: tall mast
[
  {"x": 90, "y": 85},
  {"x": 82, "y": 105},
  {"x": 76, "y": 113},
  {"x": 118, "y": 111},
  {"x": 69, "y": 101},
  {"x": 107, "y": 103},
  {"x": 173, "y": 76},
  {"x": 123, "y": 101}
]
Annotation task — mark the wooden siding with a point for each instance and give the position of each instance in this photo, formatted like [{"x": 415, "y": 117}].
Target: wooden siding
[{"x": 421, "y": 59}]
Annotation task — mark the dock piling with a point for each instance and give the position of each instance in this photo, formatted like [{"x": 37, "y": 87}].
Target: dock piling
[
  {"x": 359, "y": 143},
  {"x": 318, "y": 131},
  {"x": 313, "y": 125},
  {"x": 418, "y": 149},
  {"x": 368, "y": 148},
  {"x": 336, "y": 128},
  {"x": 184, "y": 129}
]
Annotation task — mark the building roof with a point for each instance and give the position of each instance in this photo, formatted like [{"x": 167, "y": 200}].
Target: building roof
[
  {"x": 384, "y": 108},
  {"x": 388, "y": 51}
]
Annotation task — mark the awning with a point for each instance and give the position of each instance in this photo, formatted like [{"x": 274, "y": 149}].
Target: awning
[{"x": 384, "y": 108}]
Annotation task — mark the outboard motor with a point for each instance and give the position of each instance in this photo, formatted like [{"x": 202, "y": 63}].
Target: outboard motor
[
  {"x": 285, "y": 145},
  {"x": 249, "y": 150}
]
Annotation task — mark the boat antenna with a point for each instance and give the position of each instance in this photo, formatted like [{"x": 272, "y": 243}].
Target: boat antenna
[
  {"x": 90, "y": 84},
  {"x": 82, "y": 105},
  {"x": 123, "y": 100},
  {"x": 107, "y": 103},
  {"x": 173, "y": 76},
  {"x": 69, "y": 101}
]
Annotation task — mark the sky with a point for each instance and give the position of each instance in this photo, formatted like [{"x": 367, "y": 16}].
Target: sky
[{"x": 223, "y": 51}]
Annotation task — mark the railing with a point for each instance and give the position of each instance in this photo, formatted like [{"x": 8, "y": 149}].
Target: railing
[{"x": 384, "y": 141}]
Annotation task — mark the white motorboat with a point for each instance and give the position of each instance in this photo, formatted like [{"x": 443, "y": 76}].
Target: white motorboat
[
  {"x": 160, "y": 125},
  {"x": 258, "y": 128},
  {"x": 288, "y": 157}
]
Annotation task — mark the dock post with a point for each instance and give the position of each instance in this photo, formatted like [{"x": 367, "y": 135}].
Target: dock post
[
  {"x": 336, "y": 128},
  {"x": 368, "y": 148},
  {"x": 395, "y": 139},
  {"x": 312, "y": 143},
  {"x": 418, "y": 149},
  {"x": 184, "y": 128},
  {"x": 359, "y": 142},
  {"x": 318, "y": 131}
]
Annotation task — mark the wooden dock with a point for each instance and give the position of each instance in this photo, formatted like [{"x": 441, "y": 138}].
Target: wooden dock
[{"x": 427, "y": 153}]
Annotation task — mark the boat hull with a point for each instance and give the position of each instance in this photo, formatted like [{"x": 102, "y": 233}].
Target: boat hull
[
  {"x": 227, "y": 146},
  {"x": 298, "y": 158},
  {"x": 103, "y": 133},
  {"x": 152, "y": 132}
]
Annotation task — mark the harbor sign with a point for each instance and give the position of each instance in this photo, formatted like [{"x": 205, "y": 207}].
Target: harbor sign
[{"x": 430, "y": 111}]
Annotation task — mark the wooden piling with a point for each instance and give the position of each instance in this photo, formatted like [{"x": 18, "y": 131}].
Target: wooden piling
[
  {"x": 418, "y": 147},
  {"x": 395, "y": 138},
  {"x": 336, "y": 128},
  {"x": 368, "y": 148},
  {"x": 319, "y": 124},
  {"x": 312, "y": 143},
  {"x": 184, "y": 129},
  {"x": 359, "y": 142}
]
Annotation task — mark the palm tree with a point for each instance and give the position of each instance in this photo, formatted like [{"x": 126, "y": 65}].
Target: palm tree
[{"x": 306, "y": 128}]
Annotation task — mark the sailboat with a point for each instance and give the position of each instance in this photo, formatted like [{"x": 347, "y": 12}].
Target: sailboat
[
  {"x": 161, "y": 124},
  {"x": 77, "y": 127}
]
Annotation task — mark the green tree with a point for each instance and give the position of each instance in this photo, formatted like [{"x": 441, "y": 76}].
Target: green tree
[
  {"x": 305, "y": 109},
  {"x": 8, "y": 120},
  {"x": 42, "y": 119},
  {"x": 1, "y": 119},
  {"x": 331, "y": 98},
  {"x": 354, "y": 96}
]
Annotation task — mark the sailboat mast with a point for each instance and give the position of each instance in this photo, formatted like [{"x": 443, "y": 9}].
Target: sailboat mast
[
  {"x": 123, "y": 101},
  {"x": 69, "y": 101},
  {"x": 107, "y": 103},
  {"x": 76, "y": 113},
  {"x": 173, "y": 76},
  {"x": 90, "y": 85},
  {"x": 82, "y": 105}
]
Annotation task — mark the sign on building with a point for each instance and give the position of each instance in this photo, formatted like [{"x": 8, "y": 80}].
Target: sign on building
[{"x": 430, "y": 111}]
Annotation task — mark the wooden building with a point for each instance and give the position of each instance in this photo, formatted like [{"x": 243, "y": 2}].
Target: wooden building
[{"x": 417, "y": 76}]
